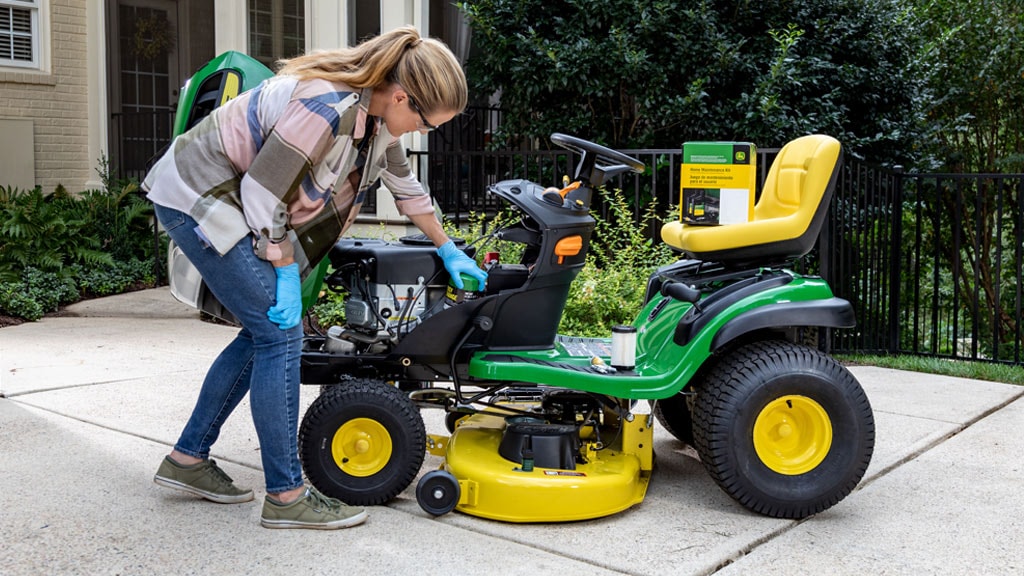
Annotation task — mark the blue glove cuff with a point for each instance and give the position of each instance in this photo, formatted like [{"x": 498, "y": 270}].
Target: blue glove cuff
[
  {"x": 289, "y": 272},
  {"x": 447, "y": 250}
]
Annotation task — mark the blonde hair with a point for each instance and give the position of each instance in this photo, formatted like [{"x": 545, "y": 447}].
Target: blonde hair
[{"x": 424, "y": 67}]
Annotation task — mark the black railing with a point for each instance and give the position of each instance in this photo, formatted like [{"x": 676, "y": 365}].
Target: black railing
[
  {"x": 931, "y": 262},
  {"x": 458, "y": 180},
  {"x": 960, "y": 239},
  {"x": 137, "y": 139}
]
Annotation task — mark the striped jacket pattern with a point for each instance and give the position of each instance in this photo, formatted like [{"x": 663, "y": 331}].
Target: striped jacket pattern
[{"x": 283, "y": 164}]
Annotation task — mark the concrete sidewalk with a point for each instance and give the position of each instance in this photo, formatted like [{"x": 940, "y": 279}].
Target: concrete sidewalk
[{"x": 94, "y": 399}]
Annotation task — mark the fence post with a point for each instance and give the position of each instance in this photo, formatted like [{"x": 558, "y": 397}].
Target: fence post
[
  {"x": 824, "y": 268},
  {"x": 894, "y": 263}
]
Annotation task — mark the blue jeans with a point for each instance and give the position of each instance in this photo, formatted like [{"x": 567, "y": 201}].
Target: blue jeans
[{"x": 262, "y": 360}]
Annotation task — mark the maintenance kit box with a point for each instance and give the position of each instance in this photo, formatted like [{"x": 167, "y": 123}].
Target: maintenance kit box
[{"x": 718, "y": 182}]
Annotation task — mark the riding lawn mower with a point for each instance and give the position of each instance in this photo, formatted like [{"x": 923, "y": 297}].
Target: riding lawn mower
[{"x": 548, "y": 428}]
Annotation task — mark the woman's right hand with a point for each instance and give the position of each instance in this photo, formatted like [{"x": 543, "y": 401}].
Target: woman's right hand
[{"x": 287, "y": 310}]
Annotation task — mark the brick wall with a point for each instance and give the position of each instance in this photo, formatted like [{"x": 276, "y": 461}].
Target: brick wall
[{"x": 56, "y": 102}]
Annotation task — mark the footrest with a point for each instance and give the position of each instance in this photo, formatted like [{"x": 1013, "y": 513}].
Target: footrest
[{"x": 587, "y": 347}]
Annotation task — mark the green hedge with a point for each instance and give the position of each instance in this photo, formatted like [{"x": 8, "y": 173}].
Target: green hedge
[{"x": 60, "y": 247}]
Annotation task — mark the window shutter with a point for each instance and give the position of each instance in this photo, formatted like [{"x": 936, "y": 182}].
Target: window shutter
[{"x": 16, "y": 34}]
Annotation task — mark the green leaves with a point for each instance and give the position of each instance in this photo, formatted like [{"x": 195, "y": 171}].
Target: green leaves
[
  {"x": 59, "y": 246},
  {"x": 972, "y": 63},
  {"x": 656, "y": 73},
  {"x": 40, "y": 231},
  {"x": 610, "y": 289}
]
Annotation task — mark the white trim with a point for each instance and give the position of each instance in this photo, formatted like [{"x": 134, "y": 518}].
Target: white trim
[
  {"x": 396, "y": 13},
  {"x": 328, "y": 24},
  {"x": 99, "y": 111},
  {"x": 231, "y": 18}
]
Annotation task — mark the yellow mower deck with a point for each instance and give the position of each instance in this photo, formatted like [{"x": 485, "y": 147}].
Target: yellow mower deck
[{"x": 609, "y": 481}]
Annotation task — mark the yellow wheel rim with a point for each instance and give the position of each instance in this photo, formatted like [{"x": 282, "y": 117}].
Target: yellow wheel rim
[
  {"x": 792, "y": 435},
  {"x": 361, "y": 447}
]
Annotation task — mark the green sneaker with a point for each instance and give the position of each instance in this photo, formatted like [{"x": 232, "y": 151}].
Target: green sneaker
[
  {"x": 205, "y": 479},
  {"x": 312, "y": 510}
]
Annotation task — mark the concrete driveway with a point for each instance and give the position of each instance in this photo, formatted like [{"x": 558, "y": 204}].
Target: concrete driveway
[{"x": 92, "y": 402}]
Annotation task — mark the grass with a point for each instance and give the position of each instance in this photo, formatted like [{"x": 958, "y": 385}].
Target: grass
[{"x": 1006, "y": 373}]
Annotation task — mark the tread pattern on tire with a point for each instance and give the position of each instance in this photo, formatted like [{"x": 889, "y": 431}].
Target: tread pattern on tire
[
  {"x": 378, "y": 396},
  {"x": 726, "y": 386}
]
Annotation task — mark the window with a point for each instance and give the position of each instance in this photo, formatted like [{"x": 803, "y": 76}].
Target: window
[
  {"x": 363, "y": 20},
  {"x": 277, "y": 29},
  {"x": 19, "y": 33}
]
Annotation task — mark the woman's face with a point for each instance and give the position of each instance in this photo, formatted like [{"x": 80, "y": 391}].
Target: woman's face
[{"x": 403, "y": 115}]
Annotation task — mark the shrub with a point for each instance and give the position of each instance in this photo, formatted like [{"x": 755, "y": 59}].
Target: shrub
[
  {"x": 610, "y": 288},
  {"x": 15, "y": 302},
  {"x": 116, "y": 278},
  {"x": 636, "y": 74},
  {"x": 40, "y": 232},
  {"x": 38, "y": 292},
  {"x": 59, "y": 247}
]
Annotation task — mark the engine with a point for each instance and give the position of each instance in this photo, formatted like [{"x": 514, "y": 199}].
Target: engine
[{"x": 392, "y": 287}]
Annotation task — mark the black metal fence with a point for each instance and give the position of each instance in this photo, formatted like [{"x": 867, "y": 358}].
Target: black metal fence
[
  {"x": 931, "y": 262},
  {"x": 458, "y": 179},
  {"x": 138, "y": 138}
]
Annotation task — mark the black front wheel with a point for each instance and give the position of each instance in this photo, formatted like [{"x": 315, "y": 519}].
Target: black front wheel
[
  {"x": 783, "y": 429},
  {"x": 362, "y": 441}
]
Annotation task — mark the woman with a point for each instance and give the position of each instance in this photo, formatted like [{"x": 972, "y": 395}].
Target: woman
[{"x": 260, "y": 190}]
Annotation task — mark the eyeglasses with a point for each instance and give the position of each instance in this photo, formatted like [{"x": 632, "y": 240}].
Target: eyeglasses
[{"x": 424, "y": 125}]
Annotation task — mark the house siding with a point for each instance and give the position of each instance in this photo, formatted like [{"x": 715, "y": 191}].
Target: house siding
[{"x": 57, "y": 102}]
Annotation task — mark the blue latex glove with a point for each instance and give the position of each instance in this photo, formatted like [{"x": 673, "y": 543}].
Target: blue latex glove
[
  {"x": 456, "y": 261},
  {"x": 287, "y": 312}
]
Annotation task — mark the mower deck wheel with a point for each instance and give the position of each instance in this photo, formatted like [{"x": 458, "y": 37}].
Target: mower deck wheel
[{"x": 438, "y": 492}]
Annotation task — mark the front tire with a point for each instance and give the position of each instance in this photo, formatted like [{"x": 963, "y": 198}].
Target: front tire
[
  {"x": 783, "y": 429},
  {"x": 362, "y": 441}
]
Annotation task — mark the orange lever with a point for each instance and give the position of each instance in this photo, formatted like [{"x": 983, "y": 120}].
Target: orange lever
[
  {"x": 568, "y": 246},
  {"x": 569, "y": 188}
]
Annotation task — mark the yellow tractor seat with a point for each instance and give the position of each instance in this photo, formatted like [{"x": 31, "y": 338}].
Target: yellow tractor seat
[{"x": 787, "y": 218}]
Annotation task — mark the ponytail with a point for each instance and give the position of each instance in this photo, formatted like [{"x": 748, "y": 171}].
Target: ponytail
[{"x": 424, "y": 67}]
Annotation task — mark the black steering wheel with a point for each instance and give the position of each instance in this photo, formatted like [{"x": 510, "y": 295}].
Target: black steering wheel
[{"x": 612, "y": 162}]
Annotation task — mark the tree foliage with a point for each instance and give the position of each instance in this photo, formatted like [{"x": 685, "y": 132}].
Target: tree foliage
[
  {"x": 973, "y": 63},
  {"x": 655, "y": 73}
]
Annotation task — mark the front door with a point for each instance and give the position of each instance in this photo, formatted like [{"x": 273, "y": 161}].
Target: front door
[{"x": 143, "y": 82}]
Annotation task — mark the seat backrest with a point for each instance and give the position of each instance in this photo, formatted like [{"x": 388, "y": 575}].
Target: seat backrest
[
  {"x": 788, "y": 216},
  {"x": 799, "y": 179}
]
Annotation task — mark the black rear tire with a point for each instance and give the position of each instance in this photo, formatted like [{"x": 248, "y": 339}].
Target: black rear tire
[
  {"x": 362, "y": 441},
  {"x": 783, "y": 429}
]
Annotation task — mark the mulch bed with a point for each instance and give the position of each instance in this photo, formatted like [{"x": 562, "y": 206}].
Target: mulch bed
[{"x": 6, "y": 321}]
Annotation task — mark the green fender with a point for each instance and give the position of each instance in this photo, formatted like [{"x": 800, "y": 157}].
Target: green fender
[
  {"x": 830, "y": 313},
  {"x": 663, "y": 365}
]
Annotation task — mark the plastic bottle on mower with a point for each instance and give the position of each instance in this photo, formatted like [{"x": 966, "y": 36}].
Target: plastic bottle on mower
[{"x": 551, "y": 428}]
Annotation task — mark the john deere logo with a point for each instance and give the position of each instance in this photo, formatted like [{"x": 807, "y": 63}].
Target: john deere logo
[{"x": 741, "y": 156}]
